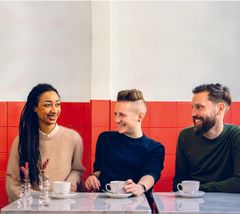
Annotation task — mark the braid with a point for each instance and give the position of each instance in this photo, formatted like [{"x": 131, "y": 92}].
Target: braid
[{"x": 29, "y": 143}]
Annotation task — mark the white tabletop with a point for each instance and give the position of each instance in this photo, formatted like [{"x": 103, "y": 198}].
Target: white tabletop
[
  {"x": 218, "y": 203},
  {"x": 85, "y": 203}
]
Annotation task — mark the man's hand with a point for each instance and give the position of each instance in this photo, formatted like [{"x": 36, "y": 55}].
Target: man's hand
[
  {"x": 135, "y": 189},
  {"x": 92, "y": 183}
]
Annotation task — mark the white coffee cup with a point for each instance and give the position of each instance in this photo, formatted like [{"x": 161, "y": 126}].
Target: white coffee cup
[
  {"x": 61, "y": 187},
  {"x": 116, "y": 187},
  {"x": 189, "y": 186}
]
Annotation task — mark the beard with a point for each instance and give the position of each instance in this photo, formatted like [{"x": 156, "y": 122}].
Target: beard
[{"x": 207, "y": 124}]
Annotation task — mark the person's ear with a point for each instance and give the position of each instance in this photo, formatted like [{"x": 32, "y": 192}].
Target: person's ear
[
  {"x": 221, "y": 108},
  {"x": 140, "y": 116}
]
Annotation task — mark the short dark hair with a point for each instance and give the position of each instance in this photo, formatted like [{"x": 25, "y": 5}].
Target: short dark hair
[
  {"x": 131, "y": 95},
  {"x": 217, "y": 92}
]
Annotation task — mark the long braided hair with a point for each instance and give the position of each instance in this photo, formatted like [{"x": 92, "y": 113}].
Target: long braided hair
[{"x": 28, "y": 148}]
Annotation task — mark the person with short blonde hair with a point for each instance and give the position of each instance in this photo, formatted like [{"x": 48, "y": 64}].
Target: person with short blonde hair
[{"x": 127, "y": 154}]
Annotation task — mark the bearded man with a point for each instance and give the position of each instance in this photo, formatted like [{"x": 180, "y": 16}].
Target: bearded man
[{"x": 210, "y": 150}]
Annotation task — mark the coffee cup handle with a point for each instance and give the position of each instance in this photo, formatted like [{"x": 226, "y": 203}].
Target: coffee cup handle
[
  {"x": 179, "y": 185},
  {"x": 108, "y": 187}
]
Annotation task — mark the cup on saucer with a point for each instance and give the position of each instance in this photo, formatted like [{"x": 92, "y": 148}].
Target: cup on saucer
[
  {"x": 61, "y": 187},
  {"x": 116, "y": 187},
  {"x": 188, "y": 186}
]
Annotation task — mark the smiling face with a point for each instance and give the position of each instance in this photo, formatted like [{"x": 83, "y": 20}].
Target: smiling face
[
  {"x": 128, "y": 118},
  {"x": 48, "y": 110},
  {"x": 204, "y": 113}
]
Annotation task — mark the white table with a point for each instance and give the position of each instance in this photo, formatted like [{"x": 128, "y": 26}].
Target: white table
[
  {"x": 217, "y": 203},
  {"x": 85, "y": 203}
]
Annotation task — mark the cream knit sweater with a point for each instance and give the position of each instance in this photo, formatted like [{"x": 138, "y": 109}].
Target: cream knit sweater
[{"x": 64, "y": 151}]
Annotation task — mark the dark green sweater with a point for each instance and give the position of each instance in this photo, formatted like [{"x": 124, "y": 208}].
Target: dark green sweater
[{"x": 215, "y": 163}]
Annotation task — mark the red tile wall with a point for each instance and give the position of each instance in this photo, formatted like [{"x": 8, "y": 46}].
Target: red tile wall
[
  {"x": 3, "y": 150},
  {"x": 100, "y": 121},
  {"x": 74, "y": 115},
  {"x": 163, "y": 123}
]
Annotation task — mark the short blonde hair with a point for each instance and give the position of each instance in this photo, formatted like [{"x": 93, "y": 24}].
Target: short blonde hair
[
  {"x": 135, "y": 96},
  {"x": 131, "y": 95}
]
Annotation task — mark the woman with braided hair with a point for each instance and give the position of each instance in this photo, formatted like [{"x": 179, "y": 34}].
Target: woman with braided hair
[{"x": 41, "y": 138}]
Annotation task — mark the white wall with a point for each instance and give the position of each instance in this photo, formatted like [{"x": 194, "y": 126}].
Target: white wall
[
  {"x": 43, "y": 41},
  {"x": 91, "y": 50},
  {"x": 167, "y": 48},
  {"x": 100, "y": 77}
]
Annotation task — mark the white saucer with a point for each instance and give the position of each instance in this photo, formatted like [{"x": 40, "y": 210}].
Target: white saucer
[
  {"x": 118, "y": 195},
  {"x": 54, "y": 195},
  {"x": 189, "y": 195}
]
